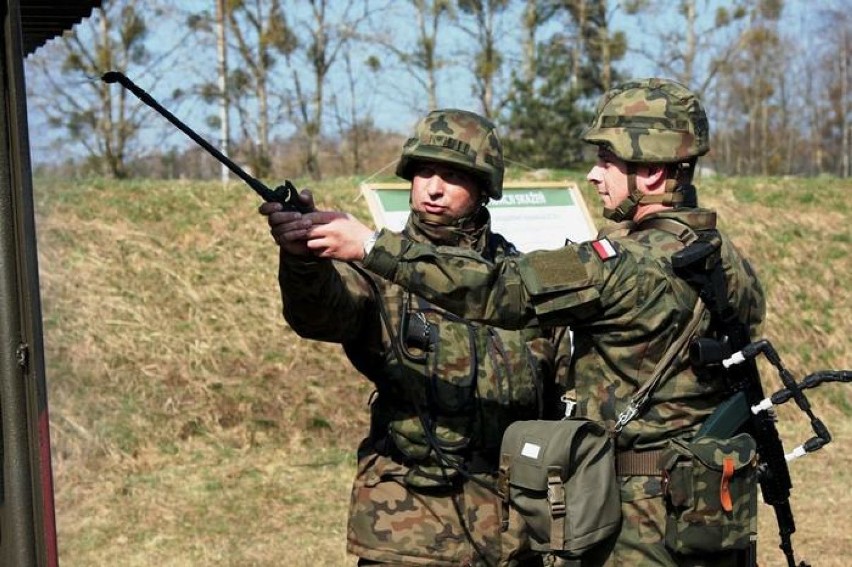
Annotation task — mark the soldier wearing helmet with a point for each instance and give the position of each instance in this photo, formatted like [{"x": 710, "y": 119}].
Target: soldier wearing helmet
[
  {"x": 445, "y": 388},
  {"x": 633, "y": 317},
  {"x": 461, "y": 140},
  {"x": 654, "y": 125}
]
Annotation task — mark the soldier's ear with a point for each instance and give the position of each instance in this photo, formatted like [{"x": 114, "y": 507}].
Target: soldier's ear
[{"x": 655, "y": 177}]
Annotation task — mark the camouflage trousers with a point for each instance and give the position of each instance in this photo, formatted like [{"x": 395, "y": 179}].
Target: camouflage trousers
[
  {"x": 393, "y": 524},
  {"x": 641, "y": 540}
]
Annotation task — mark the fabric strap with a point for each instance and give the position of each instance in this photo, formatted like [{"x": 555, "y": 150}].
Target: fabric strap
[
  {"x": 556, "y": 499},
  {"x": 638, "y": 463},
  {"x": 725, "y": 486}
]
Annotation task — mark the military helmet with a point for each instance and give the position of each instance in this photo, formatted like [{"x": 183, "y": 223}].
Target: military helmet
[
  {"x": 459, "y": 138},
  {"x": 650, "y": 121}
]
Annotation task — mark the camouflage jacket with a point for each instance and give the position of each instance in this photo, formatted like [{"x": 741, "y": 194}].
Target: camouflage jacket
[
  {"x": 441, "y": 380},
  {"x": 618, "y": 294}
]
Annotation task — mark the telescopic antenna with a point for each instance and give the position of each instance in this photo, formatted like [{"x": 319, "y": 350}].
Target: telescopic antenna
[{"x": 285, "y": 194}]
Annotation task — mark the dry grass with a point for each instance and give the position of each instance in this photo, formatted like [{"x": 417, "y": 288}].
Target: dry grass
[{"x": 191, "y": 426}]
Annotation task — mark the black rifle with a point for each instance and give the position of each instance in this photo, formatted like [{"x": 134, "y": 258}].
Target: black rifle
[
  {"x": 700, "y": 264},
  {"x": 748, "y": 410},
  {"x": 285, "y": 194}
]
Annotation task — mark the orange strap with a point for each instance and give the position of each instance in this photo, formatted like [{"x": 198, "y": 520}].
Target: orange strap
[{"x": 725, "y": 488}]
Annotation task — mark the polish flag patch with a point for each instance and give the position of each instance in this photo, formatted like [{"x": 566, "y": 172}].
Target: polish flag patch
[{"x": 604, "y": 248}]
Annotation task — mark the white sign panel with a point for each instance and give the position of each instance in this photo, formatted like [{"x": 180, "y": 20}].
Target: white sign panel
[{"x": 531, "y": 215}]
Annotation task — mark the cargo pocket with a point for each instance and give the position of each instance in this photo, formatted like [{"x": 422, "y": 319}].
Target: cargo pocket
[
  {"x": 710, "y": 489},
  {"x": 378, "y": 487}
]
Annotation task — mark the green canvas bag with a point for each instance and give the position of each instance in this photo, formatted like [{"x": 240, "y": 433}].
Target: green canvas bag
[{"x": 560, "y": 477}]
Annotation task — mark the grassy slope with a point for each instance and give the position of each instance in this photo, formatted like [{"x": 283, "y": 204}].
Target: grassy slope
[{"x": 191, "y": 426}]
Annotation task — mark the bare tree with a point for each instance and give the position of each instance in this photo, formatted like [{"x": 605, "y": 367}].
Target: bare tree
[
  {"x": 260, "y": 34},
  {"x": 535, "y": 14},
  {"x": 323, "y": 33},
  {"x": 420, "y": 59},
  {"x": 105, "y": 121},
  {"x": 834, "y": 98},
  {"x": 581, "y": 18},
  {"x": 845, "y": 105},
  {"x": 595, "y": 45},
  {"x": 222, "y": 73},
  {"x": 688, "y": 48},
  {"x": 752, "y": 82},
  {"x": 353, "y": 125},
  {"x": 530, "y": 28}
]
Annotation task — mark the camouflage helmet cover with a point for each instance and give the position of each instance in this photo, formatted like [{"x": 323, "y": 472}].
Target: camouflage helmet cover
[
  {"x": 650, "y": 121},
  {"x": 459, "y": 138}
]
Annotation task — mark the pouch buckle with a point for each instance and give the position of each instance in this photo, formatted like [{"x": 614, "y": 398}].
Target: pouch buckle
[{"x": 555, "y": 492}]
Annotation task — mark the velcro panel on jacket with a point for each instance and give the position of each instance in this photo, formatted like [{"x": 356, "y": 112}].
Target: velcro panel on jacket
[
  {"x": 384, "y": 256},
  {"x": 558, "y": 279}
]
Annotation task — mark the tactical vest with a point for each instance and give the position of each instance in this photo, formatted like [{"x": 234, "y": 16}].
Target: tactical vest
[
  {"x": 448, "y": 388},
  {"x": 460, "y": 385}
]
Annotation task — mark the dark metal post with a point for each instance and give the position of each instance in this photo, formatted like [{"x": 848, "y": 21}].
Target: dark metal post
[{"x": 27, "y": 522}]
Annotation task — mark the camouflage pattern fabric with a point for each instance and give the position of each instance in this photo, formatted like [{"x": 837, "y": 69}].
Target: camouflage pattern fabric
[
  {"x": 459, "y": 138},
  {"x": 620, "y": 297},
  {"x": 471, "y": 380},
  {"x": 641, "y": 541},
  {"x": 650, "y": 121},
  {"x": 711, "y": 490},
  {"x": 392, "y": 524}
]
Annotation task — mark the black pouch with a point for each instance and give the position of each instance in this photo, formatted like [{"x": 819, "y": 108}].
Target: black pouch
[{"x": 710, "y": 488}]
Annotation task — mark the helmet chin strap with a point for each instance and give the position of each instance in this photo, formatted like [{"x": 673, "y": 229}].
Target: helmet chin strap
[
  {"x": 626, "y": 209},
  {"x": 430, "y": 218}
]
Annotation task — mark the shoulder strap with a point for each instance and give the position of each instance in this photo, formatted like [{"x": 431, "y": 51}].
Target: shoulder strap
[
  {"x": 678, "y": 229},
  {"x": 637, "y": 403},
  {"x": 617, "y": 230},
  {"x": 640, "y": 399}
]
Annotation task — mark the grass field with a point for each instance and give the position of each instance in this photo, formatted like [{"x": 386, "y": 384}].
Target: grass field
[{"x": 190, "y": 426}]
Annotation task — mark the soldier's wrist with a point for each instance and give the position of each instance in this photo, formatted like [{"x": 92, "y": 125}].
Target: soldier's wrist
[{"x": 370, "y": 242}]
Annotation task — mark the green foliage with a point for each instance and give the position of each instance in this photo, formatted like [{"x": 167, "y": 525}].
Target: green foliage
[
  {"x": 373, "y": 63},
  {"x": 544, "y": 121}
]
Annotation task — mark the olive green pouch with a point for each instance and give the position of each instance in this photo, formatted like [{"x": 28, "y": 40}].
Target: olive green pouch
[
  {"x": 710, "y": 487},
  {"x": 560, "y": 477}
]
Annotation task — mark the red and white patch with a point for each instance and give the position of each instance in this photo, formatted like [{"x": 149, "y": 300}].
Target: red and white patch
[{"x": 604, "y": 248}]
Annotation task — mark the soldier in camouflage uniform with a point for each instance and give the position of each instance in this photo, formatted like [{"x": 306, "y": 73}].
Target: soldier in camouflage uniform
[
  {"x": 446, "y": 388},
  {"x": 619, "y": 294}
]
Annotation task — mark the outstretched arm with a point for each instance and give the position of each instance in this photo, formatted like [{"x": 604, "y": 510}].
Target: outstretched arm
[
  {"x": 548, "y": 287},
  {"x": 321, "y": 299},
  {"x": 456, "y": 279}
]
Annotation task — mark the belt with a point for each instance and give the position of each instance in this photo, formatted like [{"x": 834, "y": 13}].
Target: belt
[{"x": 638, "y": 463}]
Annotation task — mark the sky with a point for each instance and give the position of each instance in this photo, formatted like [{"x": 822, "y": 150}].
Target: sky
[{"x": 385, "y": 96}]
